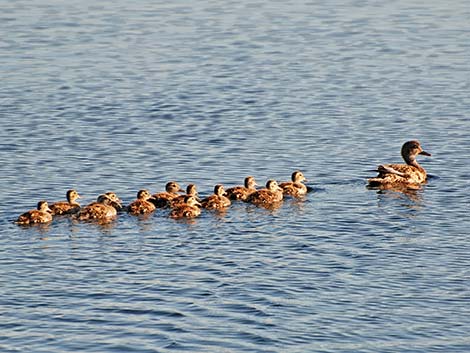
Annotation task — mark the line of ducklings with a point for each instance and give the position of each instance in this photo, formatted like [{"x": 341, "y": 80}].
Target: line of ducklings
[
  {"x": 408, "y": 176},
  {"x": 187, "y": 205}
]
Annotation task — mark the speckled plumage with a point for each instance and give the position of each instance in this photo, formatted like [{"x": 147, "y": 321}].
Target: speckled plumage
[
  {"x": 40, "y": 215},
  {"x": 103, "y": 209},
  {"x": 141, "y": 205},
  {"x": 163, "y": 199},
  {"x": 268, "y": 196},
  {"x": 294, "y": 188},
  {"x": 216, "y": 201},
  {"x": 191, "y": 190},
  {"x": 410, "y": 175},
  {"x": 66, "y": 207},
  {"x": 242, "y": 192},
  {"x": 189, "y": 209}
]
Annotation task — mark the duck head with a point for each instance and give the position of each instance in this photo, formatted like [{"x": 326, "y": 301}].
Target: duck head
[{"x": 411, "y": 149}]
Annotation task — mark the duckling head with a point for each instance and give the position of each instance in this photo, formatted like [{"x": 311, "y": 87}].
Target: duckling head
[
  {"x": 72, "y": 195},
  {"x": 173, "y": 187},
  {"x": 298, "y": 176},
  {"x": 191, "y": 190},
  {"x": 43, "y": 206},
  {"x": 250, "y": 182},
  {"x": 219, "y": 190},
  {"x": 272, "y": 185},
  {"x": 143, "y": 194}
]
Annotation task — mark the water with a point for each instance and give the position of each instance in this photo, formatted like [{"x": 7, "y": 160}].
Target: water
[{"x": 121, "y": 95}]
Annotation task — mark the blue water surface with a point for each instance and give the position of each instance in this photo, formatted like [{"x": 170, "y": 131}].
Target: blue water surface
[{"x": 124, "y": 95}]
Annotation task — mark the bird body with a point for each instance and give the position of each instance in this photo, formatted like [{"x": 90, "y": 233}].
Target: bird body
[
  {"x": 242, "y": 192},
  {"x": 40, "y": 215},
  {"x": 66, "y": 207},
  {"x": 217, "y": 200},
  {"x": 410, "y": 175}
]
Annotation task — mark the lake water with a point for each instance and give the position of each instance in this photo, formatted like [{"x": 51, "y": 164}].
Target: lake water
[{"x": 124, "y": 95}]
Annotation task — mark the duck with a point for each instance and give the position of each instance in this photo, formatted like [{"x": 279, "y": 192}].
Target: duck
[
  {"x": 242, "y": 192},
  {"x": 141, "y": 205},
  {"x": 42, "y": 214},
  {"x": 294, "y": 188},
  {"x": 189, "y": 209},
  {"x": 410, "y": 175},
  {"x": 268, "y": 196},
  {"x": 191, "y": 190},
  {"x": 105, "y": 208},
  {"x": 162, "y": 199},
  {"x": 66, "y": 207},
  {"x": 216, "y": 201}
]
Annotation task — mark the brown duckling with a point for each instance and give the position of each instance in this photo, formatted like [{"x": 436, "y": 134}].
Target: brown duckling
[
  {"x": 40, "y": 215},
  {"x": 216, "y": 201},
  {"x": 410, "y": 175},
  {"x": 191, "y": 190},
  {"x": 189, "y": 209},
  {"x": 141, "y": 205},
  {"x": 268, "y": 196},
  {"x": 66, "y": 207},
  {"x": 116, "y": 202},
  {"x": 242, "y": 192},
  {"x": 162, "y": 199},
  {"x": 295, "y": 187},
  {"x": 102, "y": 209}
]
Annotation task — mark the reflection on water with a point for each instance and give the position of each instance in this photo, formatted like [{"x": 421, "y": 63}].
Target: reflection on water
[{"x": 410, "y": 202}]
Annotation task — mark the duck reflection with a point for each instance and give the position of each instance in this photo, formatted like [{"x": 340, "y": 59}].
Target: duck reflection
[{"x": 409, "y": 200}]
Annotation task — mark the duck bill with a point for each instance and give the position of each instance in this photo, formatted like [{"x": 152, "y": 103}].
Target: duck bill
[{"x": 424, "y": 153}]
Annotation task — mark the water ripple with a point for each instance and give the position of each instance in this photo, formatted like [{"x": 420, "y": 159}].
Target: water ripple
[{"x": 128, "y": 95}]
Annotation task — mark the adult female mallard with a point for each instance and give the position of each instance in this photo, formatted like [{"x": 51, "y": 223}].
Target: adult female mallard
[
  {"x": 216, "y": 201},
  {"x": 242, "y": 192},
  {"x": 40, "y": 215},
  {"x": 294, "y": 188},
  {"x": 269, "y": 196},
  {"x": 141, "y": 205},
  {"x": 66, "y": 207},
  {"x": 162, "y": 199},
  {"x": 410, "y": 175},
  {"x": 189, "y": 209}
]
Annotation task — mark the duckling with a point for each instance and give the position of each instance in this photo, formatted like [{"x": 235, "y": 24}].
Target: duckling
[
  {"x": 40, "y": 215},
  {"x": 268, "y": 196},
  {"x": 242, "y": 192},
  {"x": 102, "y": 209},
  {"x": 162, "y": 199},
  {"x": 66, "y": 207},
  {"x": 191, "y": 190},
  {"x": 410, "y": 175},
  {"x": 116, "y": 202},
  {"x": 189, "y": 209},
  {"x": 141, "y": 205},
  {"x": 295, "y": 187},
  {"x": 216, "y": 201}
]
